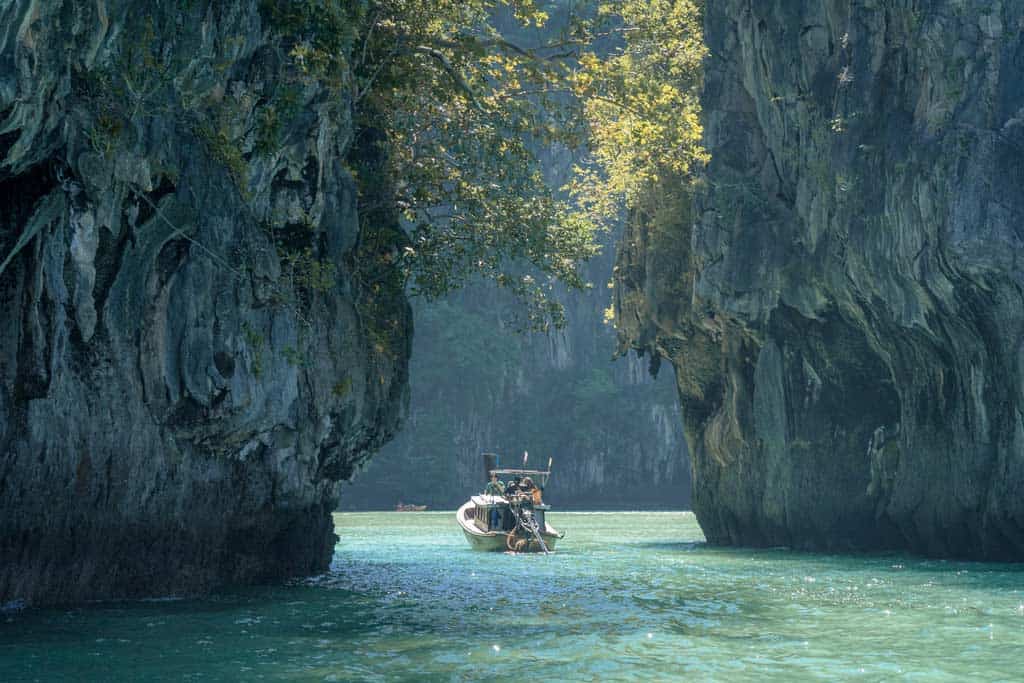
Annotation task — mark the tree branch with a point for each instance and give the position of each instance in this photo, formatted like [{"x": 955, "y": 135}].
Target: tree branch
[
  {"x": 369, "y": 34},
  {"x": 498, "y": 41},
  {"x": 361, "y": 93},
  {"x": 456, "y": 76},
  {"x": 570, "y": 91}
]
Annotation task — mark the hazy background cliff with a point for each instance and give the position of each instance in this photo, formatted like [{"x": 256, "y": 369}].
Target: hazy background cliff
[
  {"x": 477, "y": 385},
  {"x": 843, "y": 299}
]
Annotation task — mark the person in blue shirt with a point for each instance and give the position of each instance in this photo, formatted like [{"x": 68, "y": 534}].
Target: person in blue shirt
[{"x": 495, "y": 488}]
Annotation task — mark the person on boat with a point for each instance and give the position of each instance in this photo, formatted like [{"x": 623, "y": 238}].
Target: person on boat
[
  {"x": 531, "y": 491},
  {"x": 526, "y": 493},
  {"x": 513, "y": 487},
  {"x": 495, "y": 487}
]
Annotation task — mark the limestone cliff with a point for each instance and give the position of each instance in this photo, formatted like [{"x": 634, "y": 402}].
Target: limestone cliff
[
  {"x": 844, "y": 305},
  {"x": 188, "y": 362}
]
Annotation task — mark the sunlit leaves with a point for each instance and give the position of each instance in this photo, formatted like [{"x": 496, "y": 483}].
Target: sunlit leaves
[
  {"x": 465, "y": 111},
  {"x": 465, "y": 108},
  {"x": 641, "y": 102}
]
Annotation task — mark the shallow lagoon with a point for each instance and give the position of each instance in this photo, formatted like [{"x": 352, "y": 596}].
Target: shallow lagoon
[{"x": 628, "y": 596}]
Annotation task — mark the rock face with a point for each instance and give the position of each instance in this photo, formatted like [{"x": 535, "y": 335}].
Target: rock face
[
  {"x": 844, "y": 305},
  {"x": 186, "y": 365}
]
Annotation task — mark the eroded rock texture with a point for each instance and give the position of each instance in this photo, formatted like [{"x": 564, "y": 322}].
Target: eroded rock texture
[
  {"x": 188, "y": 362},
  {"x": 843, "y": 307}
]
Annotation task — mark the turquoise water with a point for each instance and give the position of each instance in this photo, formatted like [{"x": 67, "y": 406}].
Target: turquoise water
[{"x": 634, "y": 596}]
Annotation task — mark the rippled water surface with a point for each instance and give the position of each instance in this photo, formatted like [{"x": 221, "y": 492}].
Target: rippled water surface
[{"x": 628, "y": 596}]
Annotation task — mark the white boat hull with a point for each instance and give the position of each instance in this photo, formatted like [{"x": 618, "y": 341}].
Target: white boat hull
[{"x": 498, "y": 541}]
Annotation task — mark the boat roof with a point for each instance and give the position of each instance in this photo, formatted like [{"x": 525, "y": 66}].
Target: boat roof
[
  {"x": 533, "y": 472},
  {"x": 488, "y": 500},
  {"x": 485, "y": 500}
]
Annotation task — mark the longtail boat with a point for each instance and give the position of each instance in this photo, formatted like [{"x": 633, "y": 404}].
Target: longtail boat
[{"x": 512, "y": 522}]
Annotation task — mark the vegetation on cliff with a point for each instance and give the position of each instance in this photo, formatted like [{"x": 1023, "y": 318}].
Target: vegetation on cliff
[
  {"x": 641, "y": 100},
  {"x": 462, "y": 107}
]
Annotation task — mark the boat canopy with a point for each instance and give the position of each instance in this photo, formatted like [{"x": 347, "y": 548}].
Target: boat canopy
[
  {"x": 491, "y": 468},
  {"x": 488, "y": 500},
  {"x": 542, "y": 475}
]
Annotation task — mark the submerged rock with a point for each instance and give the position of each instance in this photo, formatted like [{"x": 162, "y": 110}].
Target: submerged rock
[
  {"x": 190, "y": 354},
  {"x": 844, "y": 306}
]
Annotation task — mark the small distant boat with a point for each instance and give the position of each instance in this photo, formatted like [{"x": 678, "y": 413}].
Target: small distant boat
[
  {"x": 408, "y": 507},
  {"x": 514, "y": 522}
]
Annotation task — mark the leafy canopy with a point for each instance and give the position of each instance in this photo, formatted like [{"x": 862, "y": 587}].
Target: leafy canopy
[
  {"x": 467, "y": 95},
  {"x": 641, "y": 102}
]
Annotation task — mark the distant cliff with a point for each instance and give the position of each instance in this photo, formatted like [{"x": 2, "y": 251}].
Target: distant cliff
[
  {"x": 614, "y": 432},
  {"x": 189, "y": 360},
  {"x": 843, "y": 300}
]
